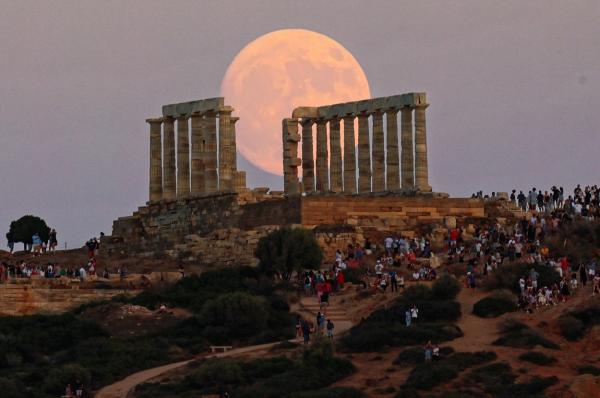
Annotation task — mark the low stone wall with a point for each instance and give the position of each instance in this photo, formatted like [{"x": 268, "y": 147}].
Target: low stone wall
[{"x": 25, "y": 299}]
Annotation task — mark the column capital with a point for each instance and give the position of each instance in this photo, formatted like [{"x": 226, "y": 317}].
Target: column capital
[
  {"x": 182, "y": 117},
  {"x": 234, "y": 119},
  {"x": 225, "y": 110},
  {"x": 392, "y": 110},
  {"x": 420, "y": 106},
  {"x": 154, "y": 120},
  {"x": 307, "y": 121}
]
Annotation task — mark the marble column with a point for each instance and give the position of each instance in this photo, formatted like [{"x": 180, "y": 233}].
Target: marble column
[
  {"x": 290, "y": 139},
  {"x": 335, "y": 159},
  {"x": 211, "y": 178},
  {"x": 156, "y": 191},
  {"x": 308, "y": 163},
  {"x": 349, "y": 155},
  {"x": 378, "y": 152},
  {"x": 169, "y": 169},
  {"x": 239, "y": 177},
  {"x": 392, "y": 170},
  {"x": 421, "y": 168},
  {"x": 225, "y": 154},
  {"x": 322, "y": 157},
  {"x": 183, "y": 158},
  {"x": 406, "y": 142},
  {"x": 197, "y": 178},
  {"x": 364, "y": 154}
]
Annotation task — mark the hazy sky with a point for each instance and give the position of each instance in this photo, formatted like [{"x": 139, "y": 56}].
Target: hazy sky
[{"x": 514, "y": 88}]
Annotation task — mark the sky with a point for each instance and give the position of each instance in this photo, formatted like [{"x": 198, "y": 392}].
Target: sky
[{"x": 514, "y": 88}]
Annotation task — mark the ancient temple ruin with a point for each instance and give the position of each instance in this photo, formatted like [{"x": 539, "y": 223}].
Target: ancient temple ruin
[
  {"x": 378, "y": 155},
  {"x": 200, "y": 210},
  {"x": 212, "y": 151}
]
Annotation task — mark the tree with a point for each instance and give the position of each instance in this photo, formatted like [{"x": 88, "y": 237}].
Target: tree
[
  {"x": 23, "y": 229},
  {"x": 287, "y": 250}
]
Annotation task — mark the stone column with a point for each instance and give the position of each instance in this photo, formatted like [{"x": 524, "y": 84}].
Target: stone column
[
  {"x": 211, "y": 178},
  {"x": 233, "y": 142},
  {"x": 364, "y": 154},
  {"x": 393, "y": 172},
  {"x": 308, "y": 163},
  {"x": 421, "y": 168},
  {"x": 290, "y": 139},
  {"x": 169, "y": 178},
  {"x": 183, "y": 158},
  {"x": 197, "y": 179},
  {"x": 335, "y": 159},
  {"x": 349, "y": 155},
  {"x": 322, "y": 157},
  {"x": 225, "y": 154},
  {"x": 378, "y": 153},
  {"x": 156, "y": 191},
  {"x": 406, "y": 135}
]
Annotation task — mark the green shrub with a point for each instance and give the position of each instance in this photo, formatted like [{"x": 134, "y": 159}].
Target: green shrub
[
  {"x": 288, "y": 250},
  {"x": 445, "y": 287},
  {"x": 74, "y": 374},
  {"x": 493, "y": 377},
  {"x": 217, "y": 374},
  {"x": 494, "y": 305},
  {"x": 589, "y": 369},
  {"x": 234, "y": 315},
  {"x": 415, "y": 355},
  {"x": 507, "y": 277},
  {"x": 570, "y": 327},
  {"x": 429, "y": 375},
  {"x": 373, "y": 336},
  {"x": 517, "y": 334},
  {"x": 574, "y": 324},
  {"x": 335, "y": 392},
  {"x": 537, "y": 357}
]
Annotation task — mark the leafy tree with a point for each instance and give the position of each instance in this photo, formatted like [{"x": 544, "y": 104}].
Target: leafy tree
[
  {"x": 23, "y": 229},
  {"x": 287, "y": 250}
]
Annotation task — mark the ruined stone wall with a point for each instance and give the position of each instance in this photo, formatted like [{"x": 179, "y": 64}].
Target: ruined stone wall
[{"x": 224, "y": 230}]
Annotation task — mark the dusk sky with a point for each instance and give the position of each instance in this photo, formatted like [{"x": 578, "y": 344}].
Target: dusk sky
[{"x": 514, "y": 88}]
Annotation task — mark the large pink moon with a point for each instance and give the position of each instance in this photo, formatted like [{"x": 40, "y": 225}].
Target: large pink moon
[{"x": 276, "y": 73}]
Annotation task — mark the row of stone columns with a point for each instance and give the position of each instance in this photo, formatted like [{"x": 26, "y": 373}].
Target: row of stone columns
[
  {"x": 170, "y": 176},
  {"x": 378, "y": 157}
]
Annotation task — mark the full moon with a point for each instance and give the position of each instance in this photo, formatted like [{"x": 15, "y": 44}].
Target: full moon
[{"x": 282, "y": 70}]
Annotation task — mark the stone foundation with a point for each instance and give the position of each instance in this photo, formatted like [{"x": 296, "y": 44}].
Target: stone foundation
[{"x": 224, "y": 229}]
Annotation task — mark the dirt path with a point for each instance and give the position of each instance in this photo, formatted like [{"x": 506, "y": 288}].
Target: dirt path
[{"x": 122, "y": 388}]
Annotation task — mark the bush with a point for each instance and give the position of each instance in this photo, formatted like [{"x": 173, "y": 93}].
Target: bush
[
  {"x": 589, "y": 369},
  {"x": 429, "y": 375},
  {"x": 445, "y": 287},
  {"x": 537, "y": 357},
  {"x": 517, "y": 334},
  {"x": 287, "y": 250},
  {"x": 507, "y": 276},
  {"x": 372, "y": 336},
  {"x": 234, "y": 315},
  {"x": 73, "y": 374},
  {"x": 494, "y": 305},
  {"x": 216, "y": 373},
  {"x": 570, "y": 327},
  {"x": 574, "y": 324},
  {"x": 335, "y": 392},
  {"x": 415, "y": 355}
]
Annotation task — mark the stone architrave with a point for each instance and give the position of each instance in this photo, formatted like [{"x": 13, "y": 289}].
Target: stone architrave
[
  {"x": 378, "y": 152},
  {"x": 211, "y": 178},
  {"x": 406, "y": 136},
  {"x": 156, "y": 191},
  {"x": 364, "y": 154},
  {"x": 335, "y": 160},
  {"x": 197, "y": 176},
  {"x": 349, "y": 155},
  {"x": 169, "y": 169},
  {"x": 421, "y": 167},
  {"x": 290, "y": 139},
  {"x": 391, "y": 156},
  {"x": 322, "y": 157},
  {"x": 225, "y": 154},
  {"x": 183, "y": 158},
  {"x": 308, "y": 163}
]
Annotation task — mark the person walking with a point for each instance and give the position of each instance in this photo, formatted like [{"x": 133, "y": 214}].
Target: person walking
[{"x": 408, "y": 318}]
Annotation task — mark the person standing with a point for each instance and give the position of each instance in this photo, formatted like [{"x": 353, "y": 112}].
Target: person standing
[
  {"x": 414, "y": 313},
  {"x": 306, "y": 332},
  {"x": 52, "y": 240},
  {"x": 394, "y": 281},
  {"x": 330, "y": 327}
]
